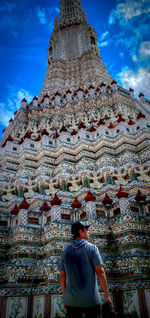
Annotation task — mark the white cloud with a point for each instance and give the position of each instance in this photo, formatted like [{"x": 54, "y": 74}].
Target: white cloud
[
  {"x": 128, "y": 10},
  {"x": 145, "y": 50},
  {"x": 112, "y": 17},
  {"x": 134, "y": 31},
  {"x": 102, "y": 44},
  {"x": 135, "y": 58},
  {"x": 101, "y": 41},
  {"x": 57, "y": 9},
  {"x": 12, "y": 104},
  {"x": 139, "y": 81},
  {"x": 41, "y": 15},
  {"x": 104, "y": 36},
  {"x": 5, "y": 114},
  {"x": 45, "y": 15}
]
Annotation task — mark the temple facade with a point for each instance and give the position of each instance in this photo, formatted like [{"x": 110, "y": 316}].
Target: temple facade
[{"x": 78, "y": 151}]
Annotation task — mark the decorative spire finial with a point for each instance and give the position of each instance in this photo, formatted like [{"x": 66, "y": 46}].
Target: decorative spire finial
[{"x": 70, "y": 10}]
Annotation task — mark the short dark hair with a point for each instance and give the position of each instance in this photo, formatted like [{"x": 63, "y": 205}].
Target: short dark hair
[
  {"x": 76, "y": 227},
  {"x": 76, "y": 235}
]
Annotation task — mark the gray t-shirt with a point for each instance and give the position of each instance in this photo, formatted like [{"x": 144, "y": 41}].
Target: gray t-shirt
[{"x": 78, "y": 260}]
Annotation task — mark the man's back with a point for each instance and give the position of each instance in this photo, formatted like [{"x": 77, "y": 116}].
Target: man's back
[
  {"x": 79, "y": 265},
  {"x": 78, "y": 261}
]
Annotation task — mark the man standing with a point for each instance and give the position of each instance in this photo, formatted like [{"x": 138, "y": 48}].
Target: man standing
[{"x": 79, "y": 265}]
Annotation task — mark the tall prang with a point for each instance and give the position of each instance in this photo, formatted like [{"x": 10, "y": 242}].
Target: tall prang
[
  {"x": 78, "y": 151},
  {"x": 73, "y": 59},
  {"x": 71, "y": 11}
]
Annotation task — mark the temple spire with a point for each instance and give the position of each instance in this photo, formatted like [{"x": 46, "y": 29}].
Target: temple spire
[
  {"x": 74, "y": 56},
  {"x": 70, "y": 10}
]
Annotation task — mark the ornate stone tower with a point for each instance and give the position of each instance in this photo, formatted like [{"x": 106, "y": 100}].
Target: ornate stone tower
[
  {"x": 73, "y": 59},
  {"x": 79, "y": 151}
]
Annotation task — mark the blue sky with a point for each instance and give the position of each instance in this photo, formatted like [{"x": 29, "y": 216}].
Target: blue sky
[{"x": 123, "y": 29}]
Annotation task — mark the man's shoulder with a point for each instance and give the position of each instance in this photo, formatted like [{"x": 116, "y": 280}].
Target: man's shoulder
[
  {"x": 91, "y": 245},
  {"x": 94, "y": 254},
  {"x": 67, "y": 248}
]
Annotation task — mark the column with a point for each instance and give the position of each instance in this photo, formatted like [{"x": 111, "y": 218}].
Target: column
[{"x": 142, "y": 303}]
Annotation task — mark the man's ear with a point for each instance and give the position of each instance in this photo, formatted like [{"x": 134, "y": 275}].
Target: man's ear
[{"x": 80, "y": 232}]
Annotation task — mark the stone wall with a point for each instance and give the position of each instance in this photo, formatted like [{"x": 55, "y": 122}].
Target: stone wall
[{"x": 51, "y": 306}]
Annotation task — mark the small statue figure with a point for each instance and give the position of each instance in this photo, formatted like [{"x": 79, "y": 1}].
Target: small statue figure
[
  {"x": 143, "y": 173},
  {"x": 120, "y": 177},
  {"x": 30, "y": 192},
  {"x": 9, "y": 196},
  {"x": 96, "y": 184},
  {"x": 74, "y": 181},
  {"x": 51, "y": 189}
]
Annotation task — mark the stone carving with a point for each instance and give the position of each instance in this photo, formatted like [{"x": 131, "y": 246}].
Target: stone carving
[
  {"x": 51, "y": 187},
  {"x": 120, "y": 177},
  {"x": 143, "y": 173},
  {"x": 30, "y": 193},
  {"x": 113, "y": 118},
  {"x": 9, "y": 196},
  {"x": 74, "y": 183},
  {"x": 96, "y": 183}
]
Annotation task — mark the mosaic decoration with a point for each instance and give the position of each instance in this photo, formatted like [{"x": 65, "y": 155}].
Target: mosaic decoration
[{"x": 78, "y": 151}]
